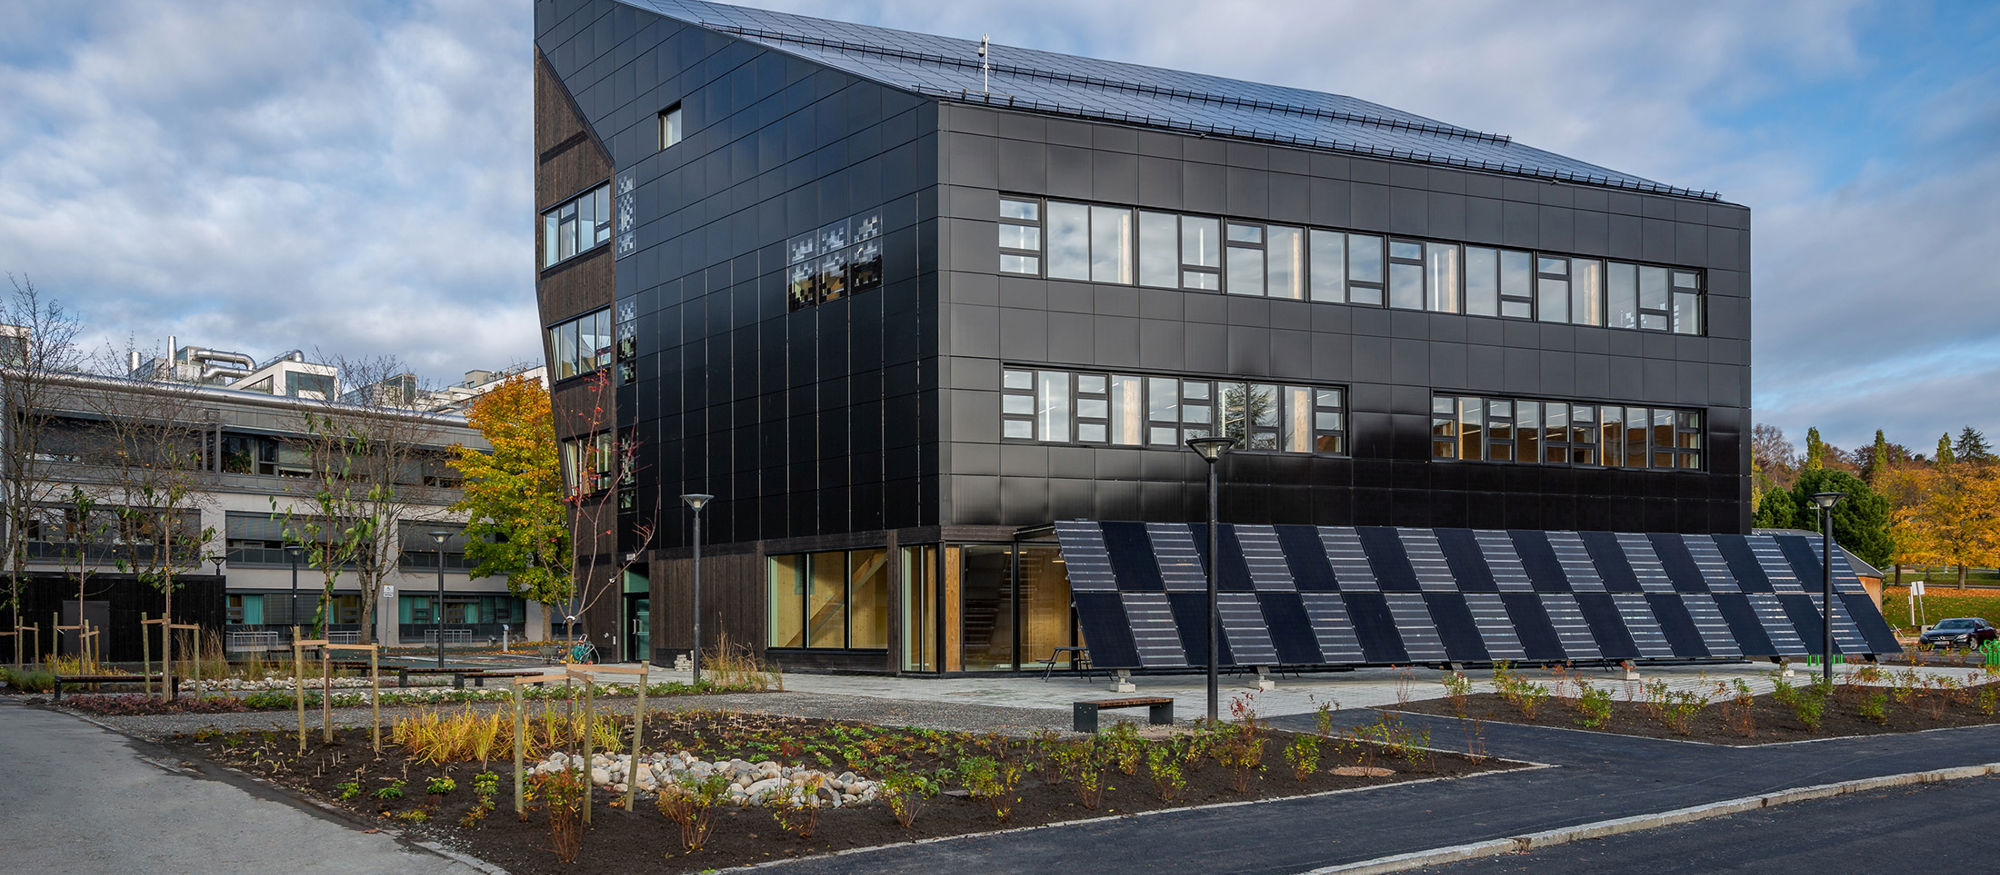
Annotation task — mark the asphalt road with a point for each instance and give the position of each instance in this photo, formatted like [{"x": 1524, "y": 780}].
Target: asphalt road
[
  {"x": 1946, "y": 826},
  {"x": 79, "y": 798}
]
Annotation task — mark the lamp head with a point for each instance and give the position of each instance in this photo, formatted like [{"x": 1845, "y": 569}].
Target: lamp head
[
  {"x": 1210, "y": 448},
  {"x": 696, "y": 499},
  {"x": 1826, "y": 500},
  {"x": 438, "y": 536},
  {"x": 294, "y": 549}
]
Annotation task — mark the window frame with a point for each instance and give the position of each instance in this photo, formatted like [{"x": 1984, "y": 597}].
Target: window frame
[
  {"x": 566, "y": 221},
  {"x": 1170, "y": 410},
  {"x": 1568, "y": 433}
]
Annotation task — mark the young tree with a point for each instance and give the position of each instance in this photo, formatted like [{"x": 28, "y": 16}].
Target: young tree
[
  {"x": 1860, "y": 521},
  {"x": 514, "y": 502},
  {"x": 597, "y": 467},
  {"x": 1971, "y": 446},
  {"x": 1878, "y": 460},
  {"x": 1776, "y": 454},
  {"x": 38, "y": 341},
  {"x": 332, "y": 534},
  {"x": 372, "y": 461},
  {"x": 1945, "y": 455},
  {"x": 1951, "y": 516}
]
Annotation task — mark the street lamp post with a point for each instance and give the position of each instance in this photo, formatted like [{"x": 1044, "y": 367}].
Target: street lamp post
[
  {"x": 1826, "y": 501},
  {"x": 292, "y": 552},
  {"x": 1211, "y": 449},
  {"x": 696, "y": 500},
  {"x": 437, "y": 537}
]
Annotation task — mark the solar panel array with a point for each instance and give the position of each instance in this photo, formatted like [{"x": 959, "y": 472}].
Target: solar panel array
[
  {"x": 1307, "y": 595},
  {"x": 1029, "y": 79}
]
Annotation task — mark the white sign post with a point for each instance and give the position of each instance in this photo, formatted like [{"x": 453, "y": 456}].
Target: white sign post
[{"x": 1916, "y": 592}]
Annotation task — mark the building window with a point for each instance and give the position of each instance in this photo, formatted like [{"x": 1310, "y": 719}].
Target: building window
[
  {"x": 1120, "y": 245},
  {"x": 840, "y": 259},
  {"x": 1537, "y": 431},
  {"x": 589, "y": 463},
  {"x": 670, "y": 126},
  {"x": 1049, "y": 406},
  {"x": 576, "y": 226},
  {"x": 580, "y": 346},
  {"x": 837, "y": 600}
]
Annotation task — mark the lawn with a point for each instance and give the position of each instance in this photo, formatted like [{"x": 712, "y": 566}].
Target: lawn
[{"x": 1939, "y": 602}]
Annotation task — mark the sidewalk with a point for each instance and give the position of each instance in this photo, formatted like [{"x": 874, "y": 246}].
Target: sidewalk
[{"x": 83, "y": 799}]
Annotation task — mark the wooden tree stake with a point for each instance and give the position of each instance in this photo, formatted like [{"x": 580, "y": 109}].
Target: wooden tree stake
[
  {"x": 326, "y": 695},
  {"x": 375, "y": 700},
  {"x": 520, "y": 804},
  {"x": 589, "y": 723},
  {"x": 638, "y": 732},
  {"x": 299, "y": 685},
  {"x": 146, "y": 655}
]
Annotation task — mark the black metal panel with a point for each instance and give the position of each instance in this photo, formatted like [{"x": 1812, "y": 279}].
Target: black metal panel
[{"x": 1102, "y": 616}]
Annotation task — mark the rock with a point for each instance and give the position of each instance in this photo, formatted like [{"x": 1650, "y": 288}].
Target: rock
[
  {"x": 847, "y": 777},
  {"x": 826, "y": 793},
  {"x": 600, "y": 776},
  {"x": 763, "y": 788}
]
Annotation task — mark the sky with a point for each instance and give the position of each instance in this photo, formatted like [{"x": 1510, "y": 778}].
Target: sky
[{"x": 355, "y": 177}]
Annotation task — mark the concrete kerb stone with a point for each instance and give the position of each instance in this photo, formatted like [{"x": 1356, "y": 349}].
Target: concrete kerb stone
[{"x": 1636, "y": 823}]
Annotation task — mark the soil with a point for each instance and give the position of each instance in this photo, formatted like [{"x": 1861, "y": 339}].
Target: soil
[
  {"x": 1769, "y": 720},
  {"x": 620, "y": 841}
]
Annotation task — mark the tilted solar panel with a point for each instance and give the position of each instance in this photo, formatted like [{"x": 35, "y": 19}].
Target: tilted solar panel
[{"x": 1305, "y": 595}]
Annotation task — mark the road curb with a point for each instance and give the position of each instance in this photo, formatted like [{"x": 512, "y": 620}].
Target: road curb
[{"x": 1636, "y": 823}]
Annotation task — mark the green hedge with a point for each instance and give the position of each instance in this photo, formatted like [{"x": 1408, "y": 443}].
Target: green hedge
[{"x": 28, "y": 681}]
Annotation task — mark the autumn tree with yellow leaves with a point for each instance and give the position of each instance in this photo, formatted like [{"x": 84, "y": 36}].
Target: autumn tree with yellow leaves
[{"x": 517, "y": 523}]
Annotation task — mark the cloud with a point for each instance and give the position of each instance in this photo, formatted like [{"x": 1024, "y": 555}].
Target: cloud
[{"x": 357, "y": 178}]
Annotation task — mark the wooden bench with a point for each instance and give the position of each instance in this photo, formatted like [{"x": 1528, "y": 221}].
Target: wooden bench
[
  {"x": 100, "y": 679},
  {"x": 479, "y": 678},
  {"x": 1160, "y": 708}
]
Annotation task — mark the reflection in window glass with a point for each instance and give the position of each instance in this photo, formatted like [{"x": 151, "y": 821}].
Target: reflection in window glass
[
  {"x": 1555, "y": 432},
  {"x": 1364, "y": 269},
  {"x": 1298, "y": 413},
  {"x": 1583, "y": 434},
  {"x": 787, "y": 592},
  {"x": 1111, "y": 245},
  {"x": 826, "y": 601},
  {"x": 1246, "y": 270},
  {"x": 1622, "y": 295},
  {"x": 1127, "y": 423},
  {"x": 1482, "y": 281},
  {"x": 1406, "y": 286},
  {"x": 1245, "y": 233},
  {"x": 1163, "y": 410},
  {"x": 1517, "y": 284},
  {"x": 1441, "y": 277},
  {"x": 1025, "y": 210},
  {"x": 1586, "y": 293},
  {"x": 1201, "y": 242},
  {"x": 1159, "y": 249},
  {"x": 1444, "y": 427},
  {"x": 1528, "y": 431},
  {"x": 1052, "y": 419},
  {"x": 1284, "y": 256},
  {"x": 1069, "y": 241},
  {"x": 1687, "y": 313},
  {"x": 1471, "y": 427},
  {"x": 1653, "y": 298},
  {"x": 1020, "y": 236},
  {"x": 1635, "y": 437},
  {"x": 868, "y": 599},
  {"x": 1499, "y": 430},
  {"x": 1554, "y": 305},
  {"x": 1612, "y": 423},
  {"x": 1329, "y": 260},
  {"x": 1663, "y": 438}
]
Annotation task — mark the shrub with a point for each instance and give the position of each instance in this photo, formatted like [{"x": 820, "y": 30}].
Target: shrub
[
  {"x": 1302, "y": 754},
  {"x": 690, "y": 804},
  {"x": 905, "y": 793},
  {"x": 561, "y": 792},
  {"x": 1163, "y": 763},
  {"x": 28, "y": 681},
  {"x": 393, "y": 791},
  {"x": 1739, "y": 712},
  {"x": 1456, "y": 688},
  {"x": 796, "y": 808},
  {"x": 1875, "y": 707},
  {"x": 1809, "y": 710},
  {"x": 440, "y": 786},
  {"x": 993, "y": 782},
  {"x": 348, "y": 790},
  {"x": 1593, "y": 708}
]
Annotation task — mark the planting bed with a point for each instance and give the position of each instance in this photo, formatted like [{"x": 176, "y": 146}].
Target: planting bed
[
  {"x": 646, "y": 840},
  {"x": 1735, "y": 719}
]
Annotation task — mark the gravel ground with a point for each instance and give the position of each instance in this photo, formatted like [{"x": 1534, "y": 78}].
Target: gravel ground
[{"x": 888, "y": 712}]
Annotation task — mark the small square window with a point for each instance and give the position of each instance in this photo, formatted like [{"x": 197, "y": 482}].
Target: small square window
[{"x": 670, "y": 125}]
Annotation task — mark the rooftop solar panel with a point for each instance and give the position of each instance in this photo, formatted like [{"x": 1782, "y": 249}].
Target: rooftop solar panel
[
  {"x": 1452, "y": 595},
  {"x": 949, "y": 68}
]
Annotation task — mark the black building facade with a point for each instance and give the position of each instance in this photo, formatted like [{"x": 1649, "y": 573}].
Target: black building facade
[{"x": 900, "y": 312}]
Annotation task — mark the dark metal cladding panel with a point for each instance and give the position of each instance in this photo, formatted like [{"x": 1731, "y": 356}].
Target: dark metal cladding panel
[
  {"x": 1462, "y": 551},
  {"x": 1105, "y": 626},
  {"x": 1292, "y": 630},
  {"x": 1375, "y": 627},
  {"x": 1191, "y": 616},
  {"x": 1456, "y": 627},
  {"x": 1386, "y": 558},
  {"x": 1538, "y": 638},
  {"x": 1131, "y": 553},
  {"x": 1305, "y": 558}
]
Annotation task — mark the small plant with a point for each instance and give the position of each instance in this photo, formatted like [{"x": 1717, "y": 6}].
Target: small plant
[
  {"x": 994, "y": 783},
  {"x": 1809, "y": 710},
  {"x": 1475, "y": 741},
  {"x": 486, "y": 784},
  {"x": 1163, "y": 763},
  {"x": 414, "y": 815},
  {"x": 1090, "y": 781},
  {"x": 796, "y": 808},
  {"x": 1457, "y": 688},
  {"x": 348, "y": 790},
  {"x": 391, "y": 792},
  {"x": 1593, "y": 708},
  {"x": 562, "y": 792},
  {"x": 1323, "y": 716},
  {"x": 1989, "y": 699},
  {"x": 1680, "y": 710},
  {"x": 1302, "y": 754},
  {"x": 905, "y": 793},
  {"x": 1875, "y": 706},
  {"x": 440, "y": 786},
  {"x": 690, "y": 803},
  {"x": 1739, "y": 712}
]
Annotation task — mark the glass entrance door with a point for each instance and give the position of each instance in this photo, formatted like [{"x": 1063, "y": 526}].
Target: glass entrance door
[{"x": 638, "y": 628}]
